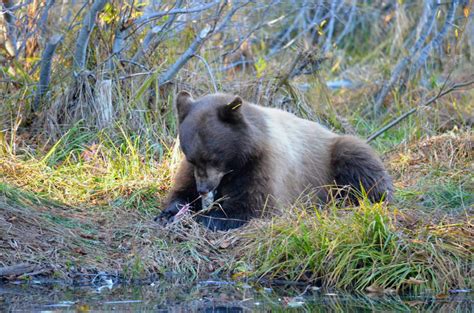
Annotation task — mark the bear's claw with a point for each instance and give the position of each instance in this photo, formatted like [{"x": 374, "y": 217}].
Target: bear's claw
[{"x": 165, "y": 217}]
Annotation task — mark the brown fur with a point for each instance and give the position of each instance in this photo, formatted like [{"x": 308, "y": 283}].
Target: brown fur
[
  {"x": 355, "y": 164},
  {"x": 251, "y": 157}
]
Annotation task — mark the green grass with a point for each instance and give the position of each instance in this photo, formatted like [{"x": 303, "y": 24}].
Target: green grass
[
  {"x": 360, "y": 248},
  {"x": 102, "y": 190},
  {"x": 450, "y": 196},
  {"x": 87, "y": 168}
]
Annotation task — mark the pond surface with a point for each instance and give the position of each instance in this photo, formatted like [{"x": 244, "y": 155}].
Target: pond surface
[{"x": 215, "y": 296}]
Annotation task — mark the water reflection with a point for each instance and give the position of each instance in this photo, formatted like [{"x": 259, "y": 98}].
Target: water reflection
[{"x": 214, "y": 297}]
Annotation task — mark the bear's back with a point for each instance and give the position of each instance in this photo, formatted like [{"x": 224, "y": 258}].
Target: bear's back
[{"x": 299, "y": 154}]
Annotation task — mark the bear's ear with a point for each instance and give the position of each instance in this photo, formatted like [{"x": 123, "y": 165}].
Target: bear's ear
[
  {"x": 184, "y": 101},
  {"x": 230, "y": 112}
]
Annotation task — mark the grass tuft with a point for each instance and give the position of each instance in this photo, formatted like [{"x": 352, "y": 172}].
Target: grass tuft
[{"x": 362, "y": 247}]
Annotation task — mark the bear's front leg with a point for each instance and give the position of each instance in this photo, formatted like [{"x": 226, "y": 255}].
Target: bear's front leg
[
  {"x": 229, "y": 214},
  {"x": 167, "y": 215},
  {"x": 183, "y": 192}
]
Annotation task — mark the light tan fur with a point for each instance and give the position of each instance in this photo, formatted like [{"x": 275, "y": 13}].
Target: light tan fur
[{"x": 298, "y": 153}]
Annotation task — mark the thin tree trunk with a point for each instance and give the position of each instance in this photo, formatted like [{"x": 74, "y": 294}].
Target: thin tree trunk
[
  {"x": 330, "y": 28},
  {"x": 403, "y": 63},
  {"x": 88, "y": 25},
  {"x": 350, "y": 25},
  {"x": 10, "y": 34},
  {"x": 425, "y": 52},
  {"x": 44, "y": 16},
  {"x": 45, "y": 71}
]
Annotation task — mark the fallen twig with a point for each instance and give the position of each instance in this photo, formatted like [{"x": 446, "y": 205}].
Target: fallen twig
[
  {"x": 18, "y": 269},
  {"x": 397, "y": 120}
]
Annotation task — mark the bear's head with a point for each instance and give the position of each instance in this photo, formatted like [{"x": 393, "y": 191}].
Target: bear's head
[{"x": 217, "y": 136}]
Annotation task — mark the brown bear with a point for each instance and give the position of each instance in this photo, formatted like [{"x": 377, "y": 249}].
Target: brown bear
[{"x": 247, "y": 158}]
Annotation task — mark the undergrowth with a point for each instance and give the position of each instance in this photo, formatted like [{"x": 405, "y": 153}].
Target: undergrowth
[
  {"x": 77, "y": 200},
  {"x": 93, "y": 169},
  {"x": 364, "y": 248},
  {"x": 95, "y": 203}
]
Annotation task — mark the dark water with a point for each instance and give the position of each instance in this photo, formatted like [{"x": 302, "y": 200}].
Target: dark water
[{"x": 215, "y": 297}]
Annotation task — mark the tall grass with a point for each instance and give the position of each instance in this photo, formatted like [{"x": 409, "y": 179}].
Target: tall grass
[
  {"x": 93, "y": 168},
  {"x": 362, "y": 248}
]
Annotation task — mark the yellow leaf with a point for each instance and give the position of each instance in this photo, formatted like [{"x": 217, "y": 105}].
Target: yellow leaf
[
  {"x": 388, "y": 17},
  {"x": 456, "y": 33},
  {"x": 260, "y": 66},
  {"x": 83, "y": 308},
  {"x": 336, "y": 66},
  {"x": 238, "y": 275},
  {"x": 439, "y": 14},
  {"x": 3, "y": 143},
  {"x": 323, "y": 23},
  {"x": 466, "y": 11}
]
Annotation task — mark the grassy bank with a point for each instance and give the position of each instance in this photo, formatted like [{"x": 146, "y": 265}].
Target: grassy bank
[
  {"x": 90, "y": 209},
  {"x": 84, "y": 169}
]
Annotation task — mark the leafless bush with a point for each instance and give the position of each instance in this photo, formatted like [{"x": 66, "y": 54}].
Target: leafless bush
[{"x": 93, "y": 61}]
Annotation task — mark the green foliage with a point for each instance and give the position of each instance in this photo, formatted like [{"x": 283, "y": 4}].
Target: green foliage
[
  {"x": 449, "y": 196},
  {"x": 260, "y": 67},
  {"x": 71, "y": 145},
  {"x": 95, "y": 168},
  {"x": 357, "y": 249}
]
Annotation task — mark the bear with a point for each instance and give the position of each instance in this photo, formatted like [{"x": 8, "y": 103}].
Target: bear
[{"x": 246, "y": 159}]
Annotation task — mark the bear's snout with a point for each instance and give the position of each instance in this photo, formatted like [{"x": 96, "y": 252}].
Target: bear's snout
[
  {"x": 203, "y": 189},
  {"x": 207, "y": 180}
]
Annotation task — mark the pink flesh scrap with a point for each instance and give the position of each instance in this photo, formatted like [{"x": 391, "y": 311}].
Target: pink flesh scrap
[{"x": 184, "y": 209}]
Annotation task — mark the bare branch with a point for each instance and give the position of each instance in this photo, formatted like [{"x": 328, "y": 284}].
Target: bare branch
[
  {"x": 349, "y": 24},
  {"x": 448, "y": 23},
  {"x": 426, "y": 103},
  {"x": 152, "y": 16},
  {"x": 117, "y": 46},
  {"x": 188, "y": 54},
  {"x": 332, "y": 21},
  {"x": 209, "y": 70},
  {"x": 155, "y": 35},
  {"x": 203, "y": 35},
  {"x": 403, "y": 63},
  {"x": 44, "y": 17}
]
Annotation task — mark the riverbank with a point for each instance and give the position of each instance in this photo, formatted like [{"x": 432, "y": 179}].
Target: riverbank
[{"x": 71, "y": 214}]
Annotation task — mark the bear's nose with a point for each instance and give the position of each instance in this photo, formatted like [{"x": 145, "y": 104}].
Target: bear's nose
[{"x": 203, "y": 190}]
